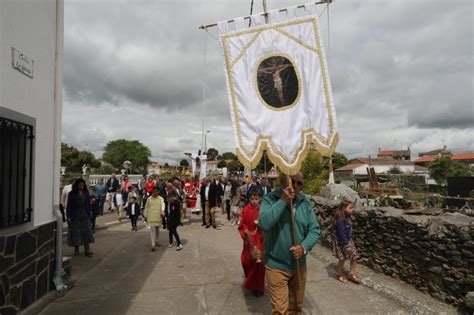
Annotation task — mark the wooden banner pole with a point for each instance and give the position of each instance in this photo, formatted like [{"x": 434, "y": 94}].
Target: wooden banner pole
[{"x": 293, "y": 236}]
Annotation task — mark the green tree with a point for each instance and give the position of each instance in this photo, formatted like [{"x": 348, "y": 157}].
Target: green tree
[
  {"x": 312, "y": 165},
  {"x": 184, "y": 162},
  {"x": 444, "y": 167},
  {"x": 105, "y": 169},
  {"x": 166, "y": 165},
  {"x": 221, "y": 164},
  {"x": 227, "y": 156},
  {"x": 235, "y": 166},
  {"x": 338, "y": 160},
  {"x": 73, "y": 159},
  {"x": 118, "y": 151},
  {"x": 314, "y": 172},
  {"x": 261, "y": 165},
  {"x": 212, "y": 154}
]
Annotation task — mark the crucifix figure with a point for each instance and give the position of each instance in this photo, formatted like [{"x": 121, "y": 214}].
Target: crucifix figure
[{"x": 275, "y": 71}]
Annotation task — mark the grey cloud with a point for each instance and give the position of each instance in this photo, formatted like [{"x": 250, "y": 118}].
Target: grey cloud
[{"x": 401, "y": 74}]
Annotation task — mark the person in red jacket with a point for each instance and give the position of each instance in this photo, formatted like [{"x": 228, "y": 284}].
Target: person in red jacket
[
  {"x": 150, "y": 185},
  {"x": 252, "y": 253}
]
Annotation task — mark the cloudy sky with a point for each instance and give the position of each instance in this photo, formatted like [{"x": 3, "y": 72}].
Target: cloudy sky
[{"x": 401, "y": 71}]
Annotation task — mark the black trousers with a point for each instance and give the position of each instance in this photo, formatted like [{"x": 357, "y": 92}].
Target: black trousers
[
  {"x": 133, "y": 220},
  {"x": 173, "y": 230},
  {"x": 227, "y": 207},
  {"x": 203, "y": 210}
]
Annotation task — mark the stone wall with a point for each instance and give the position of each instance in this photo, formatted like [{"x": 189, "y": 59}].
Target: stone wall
[
  {"x": 434, "y": 253},
  {"x": 27, "y": 264}
]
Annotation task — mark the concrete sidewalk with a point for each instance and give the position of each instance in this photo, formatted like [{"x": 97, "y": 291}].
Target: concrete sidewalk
[{"x": 125, "y": 277}]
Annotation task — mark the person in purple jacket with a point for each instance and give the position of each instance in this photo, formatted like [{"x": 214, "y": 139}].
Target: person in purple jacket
[{"x": 343, "y": 246}]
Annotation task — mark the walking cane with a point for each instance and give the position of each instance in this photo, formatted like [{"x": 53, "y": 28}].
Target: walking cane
[{"x": 293, "y": 237}]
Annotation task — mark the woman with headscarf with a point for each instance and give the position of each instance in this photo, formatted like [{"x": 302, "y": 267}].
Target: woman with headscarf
[{"x": 78, "y": 218}]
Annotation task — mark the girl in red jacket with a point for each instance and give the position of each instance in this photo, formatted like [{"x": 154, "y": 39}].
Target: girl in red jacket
[{"x": 252, "y": 253}]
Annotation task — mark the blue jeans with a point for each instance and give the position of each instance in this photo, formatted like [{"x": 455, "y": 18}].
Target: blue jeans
[{"x": 101, "y": 204}]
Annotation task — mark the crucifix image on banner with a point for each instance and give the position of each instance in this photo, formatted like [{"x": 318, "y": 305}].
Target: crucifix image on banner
[{"x": 278, "y": 87}]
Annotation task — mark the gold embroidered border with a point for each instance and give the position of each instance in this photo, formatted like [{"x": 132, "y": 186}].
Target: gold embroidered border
[
  {"x": 274, "y": 155},
  {"x": 255, "y": 81},
  {"x": 244, "y": 50},
  {"x": 315, "y": 50},
  {"x": 275, "y": 158}
]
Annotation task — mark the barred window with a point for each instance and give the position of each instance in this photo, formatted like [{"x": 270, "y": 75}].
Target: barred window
[{"x": 16, "y": 172}]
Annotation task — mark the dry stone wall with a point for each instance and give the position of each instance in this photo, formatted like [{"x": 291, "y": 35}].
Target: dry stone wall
[
  {"x": 27, "y": 262},
  {"x": 434, "y": 253}
]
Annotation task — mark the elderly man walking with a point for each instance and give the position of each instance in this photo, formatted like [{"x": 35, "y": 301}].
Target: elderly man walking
[{"x": 280, "y": 253}]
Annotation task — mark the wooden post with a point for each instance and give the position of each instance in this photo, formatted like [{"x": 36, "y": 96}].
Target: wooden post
[
  {"x": 264, "y": 3},
  {"x": 293, "y": 237}
]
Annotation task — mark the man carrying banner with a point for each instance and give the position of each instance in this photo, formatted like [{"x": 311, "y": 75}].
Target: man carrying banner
[
  {"x": 281, "y": 255},
  {"x": 282, "y": 106}
]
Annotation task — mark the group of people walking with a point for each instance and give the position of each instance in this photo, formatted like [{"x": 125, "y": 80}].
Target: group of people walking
[
  {"x": 263, "y": 216},
  {"x": 228, "y": 195},
  {"x": 160, "y": 204}
]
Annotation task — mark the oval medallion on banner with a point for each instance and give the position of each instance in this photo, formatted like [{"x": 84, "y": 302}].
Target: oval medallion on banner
[{"x": 277, "y": 82}]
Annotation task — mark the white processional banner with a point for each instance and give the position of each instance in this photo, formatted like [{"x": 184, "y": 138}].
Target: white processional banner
[{"x": 278, "y": 85}]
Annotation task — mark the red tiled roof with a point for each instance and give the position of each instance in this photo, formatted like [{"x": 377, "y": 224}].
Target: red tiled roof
[
  {"x": 419, "y": 168},
  {"x": 386, "y": 152},
  {"x": 382, "y": 161},
  {"x": 434, "y": 152},
  {"x": 392, "y": 152},
  {"x": 349, "y": 167},
  {"x": 425, "y": 159},
  {"x": 457, "y": 157},
  {"x": 463, "y": 156}
]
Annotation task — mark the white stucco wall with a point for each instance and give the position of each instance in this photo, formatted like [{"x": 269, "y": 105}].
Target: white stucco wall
[
  {"x": 31, "y": 27},
  {"x": 384, "y": 168}
]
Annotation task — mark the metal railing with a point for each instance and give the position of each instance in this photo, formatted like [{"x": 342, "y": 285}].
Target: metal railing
[{"x": 16, "y": 172}]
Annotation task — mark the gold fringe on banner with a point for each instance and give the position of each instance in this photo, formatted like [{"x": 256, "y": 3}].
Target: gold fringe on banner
[{"x": 276, "y": 157}]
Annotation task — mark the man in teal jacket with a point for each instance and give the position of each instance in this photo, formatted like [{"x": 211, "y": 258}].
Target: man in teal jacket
[{"x": 280, "y": 254}]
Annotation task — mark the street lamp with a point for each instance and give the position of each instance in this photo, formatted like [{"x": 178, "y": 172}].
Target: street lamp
[{"x": 205, "y": 141}]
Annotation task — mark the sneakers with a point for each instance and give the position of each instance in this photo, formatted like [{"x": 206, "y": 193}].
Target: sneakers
[
  {"x": 170, "y": 245},
  {"x": 208, "y": 226},
  {"x": 153, "y": 249},
  {"x": 179, "y": 247}
]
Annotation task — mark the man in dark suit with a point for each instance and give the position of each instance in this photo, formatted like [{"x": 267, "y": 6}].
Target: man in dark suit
[
  {"x": 113, "y": 184},
  {"x": 204, "y": 199},
  {"x": 265, "y": 188},
  {"x": 214, "y": 204}
]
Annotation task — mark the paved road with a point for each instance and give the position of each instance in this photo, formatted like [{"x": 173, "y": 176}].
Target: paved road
[{"x": 125, "y": 277}]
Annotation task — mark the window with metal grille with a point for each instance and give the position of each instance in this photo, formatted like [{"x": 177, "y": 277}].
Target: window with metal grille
[{"x": 16, "y": 172}]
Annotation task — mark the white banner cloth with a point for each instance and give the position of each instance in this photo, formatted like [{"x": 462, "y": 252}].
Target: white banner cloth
[{"x": 278, "y": 86}]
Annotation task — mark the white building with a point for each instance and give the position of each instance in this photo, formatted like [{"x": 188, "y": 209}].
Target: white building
[
  {"x": 31, "y": 53},
  {"x": 212, "y": 166},
  {"x": 154, "y": 168},
  {"x": 381, "y": 166}
]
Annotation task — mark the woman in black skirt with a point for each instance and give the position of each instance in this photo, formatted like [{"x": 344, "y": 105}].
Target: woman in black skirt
[{"x": 78, "y": 218}]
